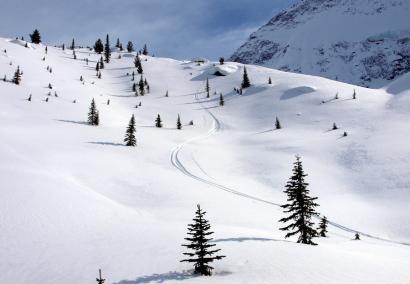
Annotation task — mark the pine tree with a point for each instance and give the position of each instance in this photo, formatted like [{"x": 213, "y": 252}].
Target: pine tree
[
  {"x": 134, "y": 87},
  {"x": 63, "y": 47},
  {"x": 100, "y": 280},
  {"x": 141, "y": 86},
  {"x": 323, "y": 227},
  {"x": 179, "y": 124},
  {"x": 35, "y": 37},
  {"x": 97, "y": 67},
  {"x": 98, "y": 46},
  {"x": 357, "y": 236},
  {"x": 118, "y": 43},
  {"x": 221, "y": 61},
  {"x": 246, "y": 83},
  {"x": 270, "y": 81},
  {"x": 72, "y": 47},
  {"x": 130, "y": 139},
  {"x": 207, "y": 88},
  {"x": 300, "y": 207},
  {"x": 101, "y": 63},
  {"x": 199, "y": 243},
  {"x": 93, "y": 116},
  {"x": 221, "y": 100},
  {"x": 107, "y": 50},
  {"x": 138, "y": 64},
  {"x": 167, "y": 94},
  {"x": 130, "y": 46},
  {"x": 145, "y": 50},
  {"x": 17, "y": 76},
  {"x": 354, "y": 94},
  {"x": 335, "y": 126},
  {"x": 337, "y": 96},
  {"x": 277, "y": 123},
  {"x": 158, "y": 121}
]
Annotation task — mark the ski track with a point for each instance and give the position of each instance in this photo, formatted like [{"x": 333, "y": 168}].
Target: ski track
[{"x": 177, "y": 163}]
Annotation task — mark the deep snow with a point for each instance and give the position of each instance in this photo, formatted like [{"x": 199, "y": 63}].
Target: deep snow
[{"x": 73, "y": 199}]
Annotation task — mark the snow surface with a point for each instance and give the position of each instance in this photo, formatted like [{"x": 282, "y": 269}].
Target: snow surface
[
  {"x": 222, "y": 70},
  {"x": 74, "y": 199}
]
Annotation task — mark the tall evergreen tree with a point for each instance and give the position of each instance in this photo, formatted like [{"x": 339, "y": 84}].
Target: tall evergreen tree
[
  {"x": 72, "y": 47},
  {"x": 98, "y": 46},
  {"x": 130, "y": 46},
  {"x": 138, "y": 64},
  {"x": 100, "y": 280},
  {"x": 207, "y": 88},
  {"x": 199, "y": 243},
  {"x": 221, "y": 100},
  {"x": 158, "y": 121},
  {"x": 323, "y": 227},
  {"x": 300, "y": 207},
  {"x": 357, "y": 236},
  {"x": 17, "y": 76},
  {"x": 107, "y": 49},
  {"x": 35, "y": 37},
  {"x": 270, "y": 81},
  {"x": 179, "y": 124},
  {"x": 145, "y": 50},
  {"x": 118, "y": 43},
  {"x": 277, "y": 123},
  {"x": 141, "y": 86},
  {"x": 354, "y": 94},
  {"x": 130, "y": 139},
  {"x": 246, "y": 83},
  {"x": 93, "y": 116}
]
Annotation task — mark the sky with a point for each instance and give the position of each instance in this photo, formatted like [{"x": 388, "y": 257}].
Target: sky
[{"x": 180, "y": 29}]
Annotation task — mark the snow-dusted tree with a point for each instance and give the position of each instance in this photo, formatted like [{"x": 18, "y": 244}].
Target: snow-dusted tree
[
  {"x": 118, "y": 43},
  {"x": 345, "y": 134},
  {"x": 246, "y": 83},
  {"x": 102, "y": 63},
  {"x": 50, "y": 86},
  {"x": 93, "y": 116},
  {"x": 357, "y": 237},
  {"x": 201, "y": 252},
  {"x": 35, "y": 37},
  {"x": 141, "y": 86},
  {"x": 277, "y": 123},
  {"x": 179, "y": 124},
  {"x": 335, "y": 126},
  {"x": 130, "y": 46},
  {"x": 130, "y": 139},
  {"x": 323, "y": 227},
  {"x": 337, "y": 96},
  {"x": 134, "y": 87},
  {"x": 107, "y": 49},
  {"x": 300, "y": 207},
  {"x": 145, "y": 50},
  {"x": 207, "y": 88},
  {"x": 17, "y": 76},
  {"x": 158, "y": 121},
  {"x": 221, "y": 61},
  {"x": 98, "y": 46},
  {"x": 270, "y": 81},
  {"x": 29, "y": 98},
  {"x": 72, "y": 47},
  {"x": 221, "y": 100}
]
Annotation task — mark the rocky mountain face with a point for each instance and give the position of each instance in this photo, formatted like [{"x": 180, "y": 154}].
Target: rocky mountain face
[{"x": 364, "y": 42}]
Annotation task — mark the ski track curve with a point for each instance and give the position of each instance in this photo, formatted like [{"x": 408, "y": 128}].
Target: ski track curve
[{"x": 178, "y": 164}]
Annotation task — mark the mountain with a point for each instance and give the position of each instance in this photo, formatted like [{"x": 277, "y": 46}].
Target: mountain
[
  {"x": 74, "y": 199},
  {"x": 364, "y": 42}
]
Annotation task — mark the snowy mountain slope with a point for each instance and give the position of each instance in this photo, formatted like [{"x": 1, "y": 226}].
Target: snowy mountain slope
[
  {"x": 73, "y": 199},
  {"x": 360, "y": 42}
]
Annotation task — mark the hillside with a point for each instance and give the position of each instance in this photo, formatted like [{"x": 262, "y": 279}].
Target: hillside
[
  {"x": 360, "y": 42},
  {"x": 74, "y": 199}
]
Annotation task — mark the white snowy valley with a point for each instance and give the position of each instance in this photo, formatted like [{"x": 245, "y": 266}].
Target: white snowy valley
[{"x": 74, "y": 199}]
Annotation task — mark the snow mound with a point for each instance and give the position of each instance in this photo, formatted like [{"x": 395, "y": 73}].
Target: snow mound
[
  {"x": 295, "y": 92},
  {"x": 223, "y": 70},
  {"x": 21, "y": 42}
]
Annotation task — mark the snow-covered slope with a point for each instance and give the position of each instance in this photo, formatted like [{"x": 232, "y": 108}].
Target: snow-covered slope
[
  {"x": 364, "y": 42},
  {"x": 73, "y": 199}
]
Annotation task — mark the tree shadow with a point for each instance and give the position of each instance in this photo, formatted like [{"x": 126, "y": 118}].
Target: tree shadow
[
  {"x": 107, "y": 144},
  {"x": 295, "y": 92},
  {"x": 160, "y": 278},
  {"x": 73, "y": 121},
  {"x": 266, "y": 131}
]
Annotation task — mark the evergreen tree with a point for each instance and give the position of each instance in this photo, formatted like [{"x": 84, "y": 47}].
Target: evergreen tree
[
  {"x": 354, "y": 94},
  {"x": 158, "y": 122},
  {"x": 130, "y": 139},
  {"x": 145, "y": 50},
  {"x": 93, "y": 116},
  {"x": 141, "y": 86},
  {"x": 345, "y": 134},
  {"x": 277, "y": 123},
  {"x": 207, "y": 88},
  {"x": 323, "y": 227},
  {"x": 118, "y": 43},
  {"x": 221, "y": 61},
  {"x": 300, "y": 207},
  {"x": 35, "y": 37},
  {"x": 17, "y": 76},
  {"x": 179, "y": 124},
  {"x": 199, "y": 243},
  {"x": 246, "y": 83},
  {"x": 130, "y": 47},
  {"x": 97, "y": 67},
  {"x": 101, "y": 63},
  {"x": 63, "y": 47},
  {"x": 221, "y": 100},
  {"x": 134, "y": 87},
  {"x": 357, "y": 236},
  {"x": 167, "y": 94},
  {"x": 100, "y": 280},
  {"x": 270, "y": 81},
  {"x": 98, "y": 46},
  {"x": 107, "y": 50},
  {"x": 72, "y": 47},
  {"x": 335, "y": 126}
]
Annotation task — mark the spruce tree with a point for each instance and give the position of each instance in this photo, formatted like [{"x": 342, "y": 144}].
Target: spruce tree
[
  {"x": 17, "y": 76},
  {"x": 246, "y": 83},
  {"x": 145, "y": 50},
  {"x": 130, "y": 139},
  {"x": 201, "y": 253},
  {"x": 72, "y": 47},
  {"x": 221, "y": 100},
  {"x": 130, "y": 47},
  {"x": 354, "y": 94},
  {"x": 221, "y": 61},
  {"x": 100, "y": 280},
  {"x": 139, "y": 67},
  {"x": 107, "y": 50},
  {"x": 98, "y": 46},
  {"x": 179, "y": 124},
  {"x": 207, "y": 88},
  {"x": 323, "y": 227},
  {"x": 97, "y": 67},
  {"x": 118, "y": 43},
  {"x": 101, "y": 63},
  {"x": 335, "y": 126},
  {"x": 134, "y": 87},
  {"x": 300, "y": 207},
  {"x": 270, "y": 81},
  {"x": 141, "y": 86},
  {"x": 35, "y": 37},
  {"x": 158, "y": 121},
  {"x": 357, "y": 236},
  {"x": 93, "y": 116},
  {"x": 277, "y": 123}
]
